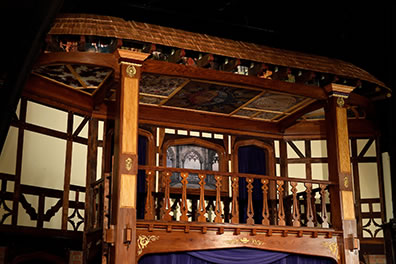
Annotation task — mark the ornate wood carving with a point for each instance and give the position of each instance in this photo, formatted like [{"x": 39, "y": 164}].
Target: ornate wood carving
[
  {"x": 250, "y": 210},
  {"x": 149, "y": 207},
  {"x": 296, "y": 210},
  {"x": 281, "y": 209},
  {"x": 325, "y": 223},
  {"x": 266, "y": 214},
  {"x": 235, "y": 205},
  {"x": 202, "y": 209},
  {"x": 218, "y": 209},
  {"x": 184, "y": 206},
  {"x": 309, "y": 213},
  {"x": 166, "y": 204}
]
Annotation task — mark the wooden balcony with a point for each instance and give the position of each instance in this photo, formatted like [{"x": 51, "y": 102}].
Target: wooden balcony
[{"x": 195, "y": 219}]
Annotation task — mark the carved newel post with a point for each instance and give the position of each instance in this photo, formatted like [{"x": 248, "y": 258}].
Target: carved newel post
[
  {"x": 343, "y": 210},
  {"x": 125, "y": 158}
]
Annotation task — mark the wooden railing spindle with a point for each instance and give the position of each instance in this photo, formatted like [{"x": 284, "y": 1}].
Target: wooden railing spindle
[
  {"x": 183, "y": 205},
  {"x": 296, "y": 211},
  {"x": 325, "y": 223},
  {"x": 202, "y": 208},
  {"x": 218, "y": 209},
  {"x": 235, "y": 205},
  {"x": 149, "y": 210},
  {"x": 281, "y": 209},
  {"x": 264, "y": 186},
  {"x": 167, "y": 204},
  {"x": 250, "y": 210},
  {"x": 309, "y": 212}
]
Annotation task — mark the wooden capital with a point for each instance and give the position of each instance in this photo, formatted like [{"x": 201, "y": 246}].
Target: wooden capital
[{"x": 338, "y": 90}]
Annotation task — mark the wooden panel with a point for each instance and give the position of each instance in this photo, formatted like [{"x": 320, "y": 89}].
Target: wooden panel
[
  {"x": 128, "y": 191},
  {"x": 348, "y": 205},
  {"x": 343, "y": 140},
  {"x": 176, "y": 241},
  {"x": 129, "y": 115}
]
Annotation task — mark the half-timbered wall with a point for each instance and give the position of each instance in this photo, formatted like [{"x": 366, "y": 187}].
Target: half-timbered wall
[{"x": 45, "y": 153}]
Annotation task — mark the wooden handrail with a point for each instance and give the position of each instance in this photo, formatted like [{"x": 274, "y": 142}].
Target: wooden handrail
[{"x": 232, "y": 174}]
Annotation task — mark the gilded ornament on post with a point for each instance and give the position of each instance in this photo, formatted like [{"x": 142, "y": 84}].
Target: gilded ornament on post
[
  {"x": 340, "y": 102},
  {"x": 131, "y": 71},
  {"x": 128, "y": 164}
]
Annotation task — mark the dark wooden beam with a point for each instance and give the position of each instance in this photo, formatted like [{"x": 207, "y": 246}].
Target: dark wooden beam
[
  {"x": 166, "y": 68},
  {"x": 98, "y": 59},
  {"x": 202, "y": 121},
  {"x": 103, "y": 92},
  {"x": 48, "y": 92},
  {"x": 292, "y": 119}
]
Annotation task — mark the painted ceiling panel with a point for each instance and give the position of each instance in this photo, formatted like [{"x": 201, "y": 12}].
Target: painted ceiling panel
[
  {"x": 159, "y": 84},
  {"x": 247, "y": 113},
  {"x": 92, "y": 76},
  {"x": 266, "y": 115},
  {"x": 58, "y": 73},
  {"x": 150, "y": 100},
  {"x": 211, "y": 97},
  {"x": 276, "y": 102}
]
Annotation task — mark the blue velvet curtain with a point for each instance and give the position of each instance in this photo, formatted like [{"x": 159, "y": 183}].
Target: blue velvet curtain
[
  {"x": 232, "y": 256},
  {"x": 141, "y": 179},
  {"x": 251, "y": 159}
]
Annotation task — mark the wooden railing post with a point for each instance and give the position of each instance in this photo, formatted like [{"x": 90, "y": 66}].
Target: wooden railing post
[
  {"x": 149, "y": 210},
  {"x": 266, "y": 220},
  {"x": 325, "y": 223},
  {"x": 166, "y": 205},
  {"x": 309, "y": 212},
  {"x": 201, "y": 209},
  {"x": 250, "y": 210},
  {"x": 296, "y": 209},
  {"x": 218, "y": 209},
  {"x": 281, "y": 209},
  {"x": 235, "y": 205},
  {"x": 183, "y": 205}
]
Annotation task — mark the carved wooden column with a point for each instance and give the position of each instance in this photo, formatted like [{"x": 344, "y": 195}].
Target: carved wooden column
[
  {"x": 342, "y": 201},
  {"x": 125, "y": 158}
]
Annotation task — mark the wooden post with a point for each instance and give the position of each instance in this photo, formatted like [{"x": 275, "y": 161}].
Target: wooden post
[
  {"x": 342, "y": 200},
  {"x": 125, "y": 158}
]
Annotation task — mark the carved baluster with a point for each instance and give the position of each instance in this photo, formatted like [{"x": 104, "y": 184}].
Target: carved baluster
[
  {"x": 281, "y": 209},
  {"x": 183, "y": 205},
  {"x": 265, "y": 202},
  {"x": 296, "y": 211},
  {"x": 308, "y": 190},
  {"x": 202, "y": 209},
  {"x": 325, "y": 221},
  {"x": 250, "y": 211},
  {"x": 167, "y": 203},
  {"x": 218, "y": 209},
  {"x": 235, "y": 205},
  {"x": 149, "y": 208}
]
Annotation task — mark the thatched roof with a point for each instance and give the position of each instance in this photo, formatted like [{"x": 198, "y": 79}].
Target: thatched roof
[{"x": 106, "y": 26}]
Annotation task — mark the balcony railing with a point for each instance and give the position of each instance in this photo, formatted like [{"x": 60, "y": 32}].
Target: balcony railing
[{"x": 278, "y": 200}]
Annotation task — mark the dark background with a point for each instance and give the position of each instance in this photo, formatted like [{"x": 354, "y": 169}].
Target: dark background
[{"x": 363, "y": 34}]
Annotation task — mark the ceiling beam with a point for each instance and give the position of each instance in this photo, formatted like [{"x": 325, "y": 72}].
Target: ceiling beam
[
  {"x": 176, "y": 118},
  {"x": 172, "y": 69},
  {"x": 292, "y": 119}
]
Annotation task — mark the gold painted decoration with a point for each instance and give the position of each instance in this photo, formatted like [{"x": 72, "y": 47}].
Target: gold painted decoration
[
  {"x": 346, "y": 182},
  {"x": 246, "y": 241},
  {"x": 333, "y": 247},
  {"x": 128, "y": 164},
  {"x": 340, "y": 102},
  {"x": 131, "y": 71},
  {"x": 143, "y": 241}
]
